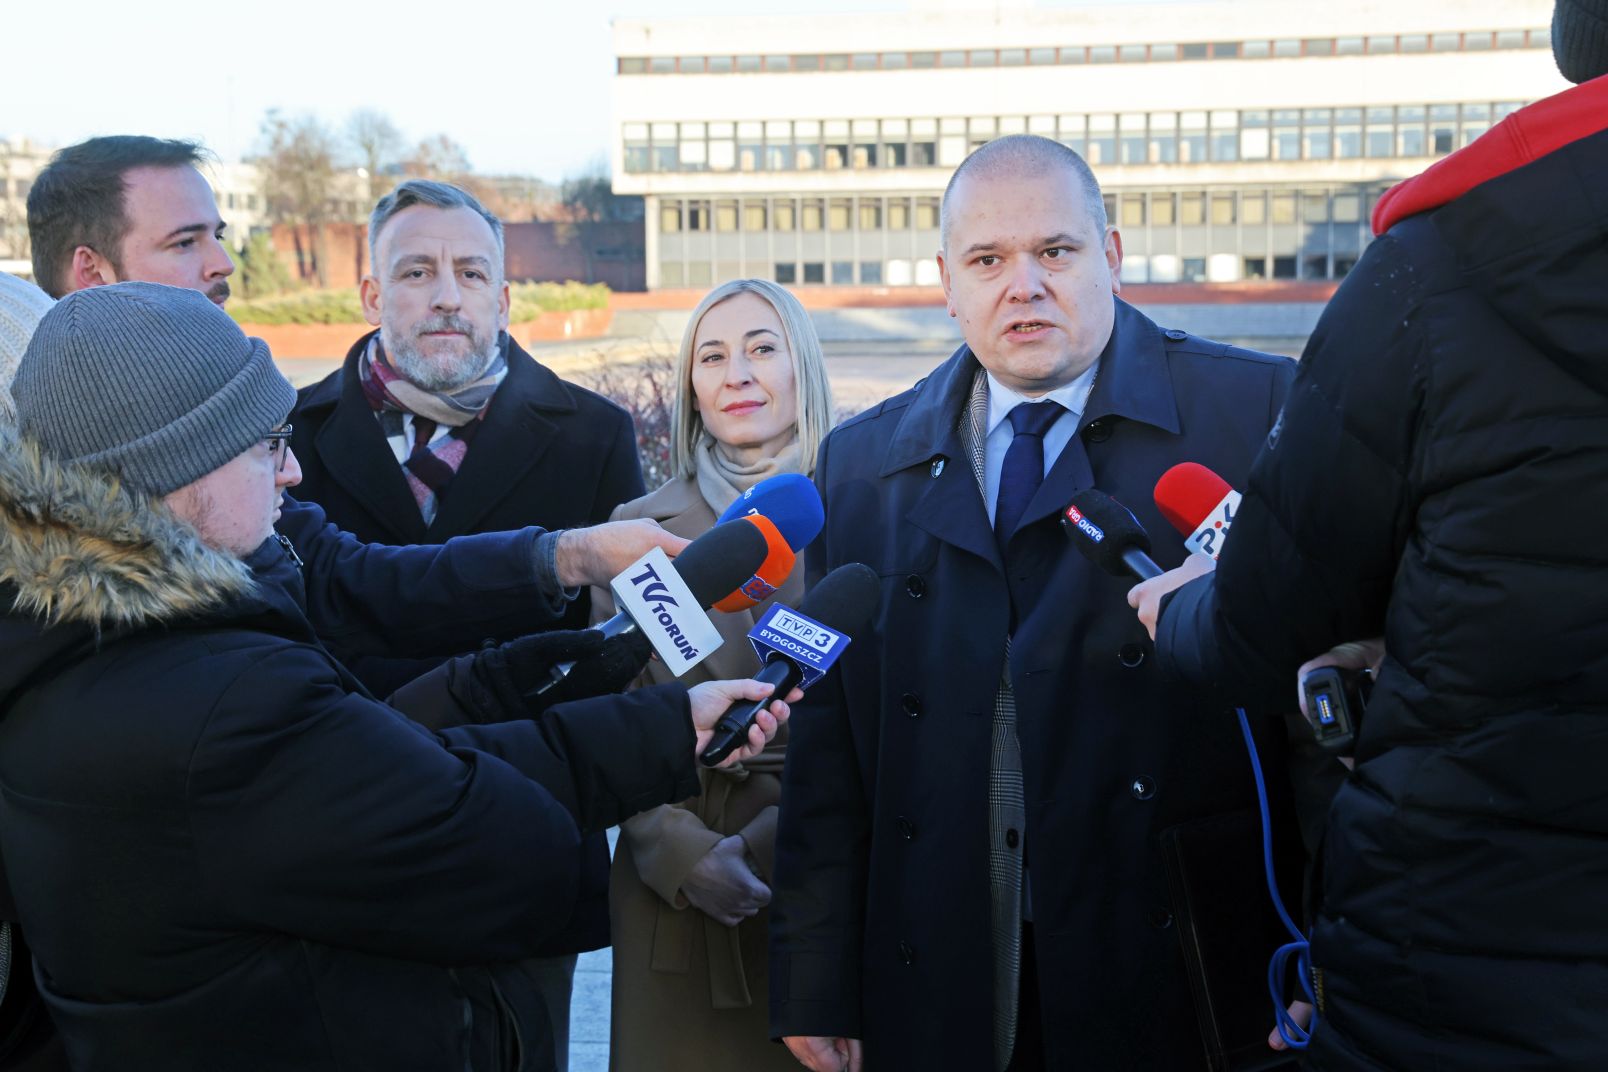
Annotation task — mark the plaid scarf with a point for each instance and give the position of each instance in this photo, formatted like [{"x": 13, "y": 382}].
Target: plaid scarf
[{"x": 444, "y": 422}]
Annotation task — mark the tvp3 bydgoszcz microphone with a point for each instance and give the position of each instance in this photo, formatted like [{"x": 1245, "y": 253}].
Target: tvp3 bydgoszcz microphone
[
  {"x": 798, "y": 646},
  {"x": 1199, "y": 504},
  {"x": 665, "y": 602},
  {"x": 1109, "y": 535}
]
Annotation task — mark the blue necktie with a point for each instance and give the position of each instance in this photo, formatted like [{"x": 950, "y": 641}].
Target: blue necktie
[{"x": 1023, "y": 470}]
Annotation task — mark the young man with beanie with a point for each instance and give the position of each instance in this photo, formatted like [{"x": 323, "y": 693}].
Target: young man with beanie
[
  {"x": 226, "y": 853},
  {"x": 130, "y": 207},
  {"x": 1436, "y": 479}
]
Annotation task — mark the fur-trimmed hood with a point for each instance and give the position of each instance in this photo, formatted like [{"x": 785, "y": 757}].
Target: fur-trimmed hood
[
  {"x": 79, "y": 547},
  {"x": 83, "y": 558}
]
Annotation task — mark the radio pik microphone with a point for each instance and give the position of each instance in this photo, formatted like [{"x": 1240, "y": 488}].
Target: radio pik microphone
[
  {"x": 1109, "y": 535},
  {"x": 771, "y": 574},
  {"x": 711, "y": 566},
  {"x": 844, "y": 600},
  {"x": 790, "y": 501},
  {"x": 1200, "y": 504}
]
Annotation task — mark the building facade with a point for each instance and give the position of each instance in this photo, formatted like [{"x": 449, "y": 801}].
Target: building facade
[
  {"x": 1234, "y": 139},
  {"x": 20, "y": 161}
]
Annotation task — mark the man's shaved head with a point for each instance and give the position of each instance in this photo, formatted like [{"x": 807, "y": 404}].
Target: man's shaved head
[{"x": 1021, "y": 155}]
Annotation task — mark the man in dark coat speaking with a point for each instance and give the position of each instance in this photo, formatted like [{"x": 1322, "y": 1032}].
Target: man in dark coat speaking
[
  {"x": 1438, "y": 479},
  {"x": 970, "y": 865},
  {"x": 224, "y": 851}
]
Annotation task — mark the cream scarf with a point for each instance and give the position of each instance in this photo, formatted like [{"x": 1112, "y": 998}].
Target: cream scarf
[{"x": 721, "y": 480}]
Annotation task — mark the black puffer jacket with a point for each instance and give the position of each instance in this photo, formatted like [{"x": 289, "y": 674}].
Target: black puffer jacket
[
  {"x": 227, "y": 855},
  {"x": 1438, "y": 476}
]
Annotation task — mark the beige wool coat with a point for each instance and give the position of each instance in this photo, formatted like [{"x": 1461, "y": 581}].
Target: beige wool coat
[{"x": 690, "y": 994}]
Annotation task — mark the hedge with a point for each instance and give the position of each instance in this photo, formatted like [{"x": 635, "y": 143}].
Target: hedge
[{"x": 342, "y": 306}]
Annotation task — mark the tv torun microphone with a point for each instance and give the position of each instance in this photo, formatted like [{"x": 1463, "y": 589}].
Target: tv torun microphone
[
  {"x": 1109, "y": 535},
  {"x": 1200, "y": 504},
  {"x": 710, "y": 567},
  {"x": 799, "y": 646}
]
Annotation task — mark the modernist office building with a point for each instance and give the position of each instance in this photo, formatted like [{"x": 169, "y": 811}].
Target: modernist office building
[{"x": 1235, "y": 139}]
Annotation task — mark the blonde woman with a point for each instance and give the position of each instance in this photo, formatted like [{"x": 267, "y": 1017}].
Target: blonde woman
[{"x": 690, "y": 882}]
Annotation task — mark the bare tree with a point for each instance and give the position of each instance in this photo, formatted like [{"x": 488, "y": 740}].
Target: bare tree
[
  {"x": 587, "y": 201},
  {"x": 377, "y": 144},
  {"x": 437, "y": 157},
  {"x": 297, "y": 165}
]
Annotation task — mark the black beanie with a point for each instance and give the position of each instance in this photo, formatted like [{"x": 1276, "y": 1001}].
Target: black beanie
[{"x": 1580, "y": 38}]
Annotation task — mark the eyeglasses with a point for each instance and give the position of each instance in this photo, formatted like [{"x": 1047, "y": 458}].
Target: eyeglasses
[{"x": 279, "y": 446}]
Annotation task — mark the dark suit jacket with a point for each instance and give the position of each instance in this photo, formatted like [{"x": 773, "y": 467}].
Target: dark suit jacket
[
  {"x": 549, "y": 454},
  {"x": 880, "y": 921}
]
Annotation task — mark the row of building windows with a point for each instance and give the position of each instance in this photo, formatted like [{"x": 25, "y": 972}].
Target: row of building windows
[
  {"x": 875, "y": 213},
  {"x": 1282, "y": 48},
  {"x": 900, "y": 272},
  {"x": 1212, "y": 234},
  {"x": 17, "y": 188},
  {"x": 1193, "y": 137}
]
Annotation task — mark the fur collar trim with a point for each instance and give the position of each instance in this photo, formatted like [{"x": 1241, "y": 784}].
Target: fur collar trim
[{"x": 80, "y": 547}]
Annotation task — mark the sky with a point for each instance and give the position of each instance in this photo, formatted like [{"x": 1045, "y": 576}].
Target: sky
[{"x": 523, "y": 85}]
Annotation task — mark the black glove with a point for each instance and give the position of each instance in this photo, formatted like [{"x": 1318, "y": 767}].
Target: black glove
[{"x": 515, "y": 670}]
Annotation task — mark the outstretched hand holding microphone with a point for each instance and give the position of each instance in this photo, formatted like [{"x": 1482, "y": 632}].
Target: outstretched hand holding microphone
[
  {"x": 664, "y": 614},
  {"x": 1201, "y": 505}
]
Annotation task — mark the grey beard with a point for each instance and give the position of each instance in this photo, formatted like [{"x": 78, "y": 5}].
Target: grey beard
[{"x": 439, "y": 374}]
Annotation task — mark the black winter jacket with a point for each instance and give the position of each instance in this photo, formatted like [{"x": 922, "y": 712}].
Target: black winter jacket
[
  {"x": 226, "y": 854},
  {"x": 1437, "y": 477}
]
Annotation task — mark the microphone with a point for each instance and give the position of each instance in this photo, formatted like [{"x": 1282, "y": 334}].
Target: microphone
[
  {"x": 1200, "y": 504},
  {"x": 710, "y": 567},
  {"x": 771, "y": 574},
  {"x": 790, "y": 501},
  {"x": 799, "y": 646},
  {"x": 1109, "y": 535}
]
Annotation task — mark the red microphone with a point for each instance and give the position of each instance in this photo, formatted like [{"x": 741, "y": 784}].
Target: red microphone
[
  {"x": 771, "y": 574},
  {"x": 1200, "y": 504}
]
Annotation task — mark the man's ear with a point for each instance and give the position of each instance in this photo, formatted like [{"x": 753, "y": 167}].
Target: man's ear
[
  {"x": 1113, "y": 255},
  {"x": 505, "y": 305},
  {"x": 943, "y": 277},
  {"x": 368, "y": 291},
  {"x": 89, "y": 269}
]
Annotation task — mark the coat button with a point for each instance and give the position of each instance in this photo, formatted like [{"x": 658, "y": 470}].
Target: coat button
[
  {"x": 1159, "y": 918},
  {"x": 907, "y": 828},
  {"x": 1144, "y": 787},
  {"x": 1098, "y": 431},
  {"x": 911, "y": 704},
  {"x": 1012, "y": 838},
  {"x": 907, "y": 953},
  {"x": 915, "y": 586},
  {"x": 1131, "y": 655},
  {"x": 1175, "y": 334}
]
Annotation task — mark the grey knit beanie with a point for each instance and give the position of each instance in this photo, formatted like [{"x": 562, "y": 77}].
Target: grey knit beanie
[
  {"x": 1580, "y": 38},
  {"x": 21, "y": 306},
  {"x": 154, "y": 383}
]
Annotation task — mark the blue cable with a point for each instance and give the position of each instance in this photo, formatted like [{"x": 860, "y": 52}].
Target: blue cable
[{"x": 1293, "y": 1034}]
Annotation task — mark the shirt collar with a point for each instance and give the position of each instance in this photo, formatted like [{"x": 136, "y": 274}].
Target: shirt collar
[{"x": 1073, "y": 396}]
